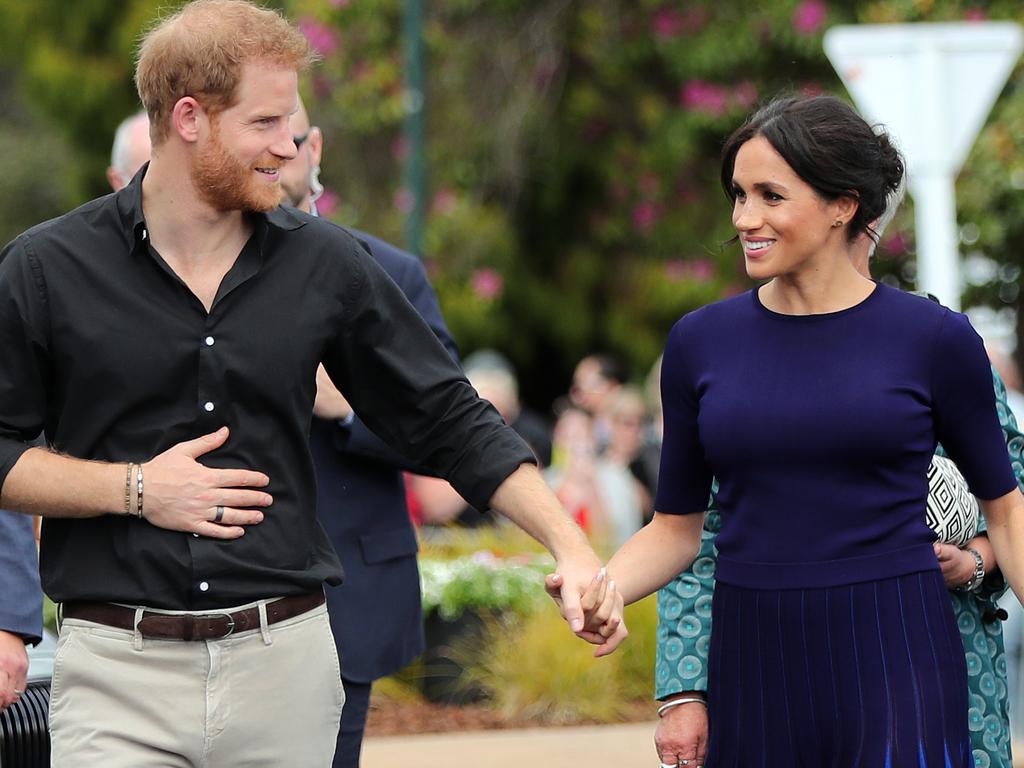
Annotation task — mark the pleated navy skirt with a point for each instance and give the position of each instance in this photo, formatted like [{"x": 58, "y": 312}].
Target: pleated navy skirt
[{"x": 868, "y": 675}]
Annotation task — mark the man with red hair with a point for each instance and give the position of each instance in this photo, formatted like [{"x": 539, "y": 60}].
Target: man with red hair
[{"x": 166, "y": 339}]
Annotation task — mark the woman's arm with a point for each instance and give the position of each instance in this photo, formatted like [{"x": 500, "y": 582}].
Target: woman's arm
[
  {"x": 1005, "y": 519},
  {"x": 655, "y": 554}
]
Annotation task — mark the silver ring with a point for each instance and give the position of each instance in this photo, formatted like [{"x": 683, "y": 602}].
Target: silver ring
[
  {"x": 17, "y": 692},
  {"x": 220, "y": 514}
]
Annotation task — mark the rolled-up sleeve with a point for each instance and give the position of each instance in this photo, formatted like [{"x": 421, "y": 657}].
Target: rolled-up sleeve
[
  {"x": 405, "y": 386},
  {"x": 23, "y": 339}
]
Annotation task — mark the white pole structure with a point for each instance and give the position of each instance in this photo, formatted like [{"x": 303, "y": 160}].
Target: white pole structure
[{"x": 932, "y": 86}]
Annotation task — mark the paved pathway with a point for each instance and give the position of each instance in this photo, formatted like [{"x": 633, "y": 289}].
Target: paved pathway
[{"x": 622, "y": 746}]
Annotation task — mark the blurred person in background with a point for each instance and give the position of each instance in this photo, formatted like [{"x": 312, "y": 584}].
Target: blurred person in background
[
  {"x": 594, "y": 380},
  {"x": 376, "y": 612},
  {"x": 21, "y": 603},
  {"x": 603, "y": 496},
  {"x": 1013, "y": 625},
  {"x": 435, "y": 501},
  {"x": 631, "y": 444},
  {"x": 131, "y": 150}
]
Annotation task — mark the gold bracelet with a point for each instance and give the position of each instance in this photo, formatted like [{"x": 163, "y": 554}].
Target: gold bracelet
[{"x": 128, "y": 489}]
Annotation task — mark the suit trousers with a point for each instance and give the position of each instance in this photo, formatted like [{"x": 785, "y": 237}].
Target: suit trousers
[
  {"x": 264, "y": 698},
  {"x": 353, "y": 723}
]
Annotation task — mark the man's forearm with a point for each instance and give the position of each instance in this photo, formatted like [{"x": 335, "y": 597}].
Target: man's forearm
[
  {"x": 526, "y": 500},
  {"x": 49, "y": 484}
]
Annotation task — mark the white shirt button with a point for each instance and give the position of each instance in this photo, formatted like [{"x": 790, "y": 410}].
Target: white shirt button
[
  {"x": 204, "y": 586},
  {"x": 208, "y": 406},
  {"x": 209, "y": 341}
]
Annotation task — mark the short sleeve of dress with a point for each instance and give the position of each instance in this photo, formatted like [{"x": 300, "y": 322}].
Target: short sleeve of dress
[
  {"x": 684, "y": 480},
  {"x": 966, "y": 420}
]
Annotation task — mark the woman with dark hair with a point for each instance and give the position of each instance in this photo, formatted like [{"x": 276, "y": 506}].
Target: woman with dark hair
[{"x": 816, "y": 400}]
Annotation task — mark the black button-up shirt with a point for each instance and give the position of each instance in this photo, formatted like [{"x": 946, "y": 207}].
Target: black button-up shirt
[{"x": 108, "y": 351}]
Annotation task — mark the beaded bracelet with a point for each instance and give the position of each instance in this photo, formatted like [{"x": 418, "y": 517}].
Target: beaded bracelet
[
  {"x": 138, "y": 490},
  {"x": 676, "y": 702}
]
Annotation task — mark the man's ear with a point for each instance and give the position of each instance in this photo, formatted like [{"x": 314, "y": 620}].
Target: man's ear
[
  {"x": 316, "y": 144},
  {"x": 187, "y": 117}
]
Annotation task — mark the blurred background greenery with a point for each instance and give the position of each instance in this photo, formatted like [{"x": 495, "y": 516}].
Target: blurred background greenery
[{"x": 571, "y": 154}]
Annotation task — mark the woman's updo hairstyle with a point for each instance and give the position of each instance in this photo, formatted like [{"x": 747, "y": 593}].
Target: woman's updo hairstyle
[{"x": 829, "y": 146}]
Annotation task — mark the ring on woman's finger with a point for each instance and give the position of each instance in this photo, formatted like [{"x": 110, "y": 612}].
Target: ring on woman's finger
[
  {"x": 220, "y": 514},
  {"x": 17, "y": 692}
]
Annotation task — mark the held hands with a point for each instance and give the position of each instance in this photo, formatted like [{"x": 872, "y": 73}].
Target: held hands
[
  {"x": 183, "y": 495},
  {"x": 681, "y": 736},
  {"x": 13, "y": 668},
  {"x": 600, "y": 606}
]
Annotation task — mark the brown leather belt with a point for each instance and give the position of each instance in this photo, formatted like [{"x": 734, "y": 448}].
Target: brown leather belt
[{"x": 191, "y": 626}]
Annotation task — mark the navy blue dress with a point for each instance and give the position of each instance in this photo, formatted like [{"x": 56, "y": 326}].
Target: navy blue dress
[{"x": 833, "y": 641}]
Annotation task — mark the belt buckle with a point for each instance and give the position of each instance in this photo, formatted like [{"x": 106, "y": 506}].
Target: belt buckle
[{"x": 231, "y": 624}]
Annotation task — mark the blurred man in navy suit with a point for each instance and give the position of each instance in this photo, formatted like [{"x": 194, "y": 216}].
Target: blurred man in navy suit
[
  {"x": 21, "y": 603},
  {"x": 376, "y": 613}
]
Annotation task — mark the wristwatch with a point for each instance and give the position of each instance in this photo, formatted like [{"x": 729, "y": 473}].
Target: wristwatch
[{"x": 978, "y": 576}]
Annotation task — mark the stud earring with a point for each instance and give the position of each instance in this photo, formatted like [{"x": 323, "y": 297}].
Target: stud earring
[{"x": 837, "y": 223}]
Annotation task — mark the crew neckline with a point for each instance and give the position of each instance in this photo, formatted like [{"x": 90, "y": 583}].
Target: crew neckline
[{"x": 870, "y": 298}]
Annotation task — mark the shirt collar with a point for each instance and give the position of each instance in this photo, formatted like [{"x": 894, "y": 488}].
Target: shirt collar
[{"x": 129, "y": 206}]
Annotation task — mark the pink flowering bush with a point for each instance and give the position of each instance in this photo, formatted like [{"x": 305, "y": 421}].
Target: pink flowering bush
[
  {"x": 572, "y": 192},
  {"x": 572, "y": 151}
]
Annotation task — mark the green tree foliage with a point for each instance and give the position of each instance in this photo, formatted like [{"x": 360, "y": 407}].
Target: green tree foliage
[
  {"x": 573, "y": 154},
  {"x": 572, "y": 146},
  {"x": 36, "y": 185}
]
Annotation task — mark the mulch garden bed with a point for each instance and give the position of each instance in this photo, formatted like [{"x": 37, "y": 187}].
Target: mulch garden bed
[{"x": 391, "y": 717}]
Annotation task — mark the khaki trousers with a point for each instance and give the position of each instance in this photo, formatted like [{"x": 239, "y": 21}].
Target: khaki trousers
[{"x": 267, "y": 698}]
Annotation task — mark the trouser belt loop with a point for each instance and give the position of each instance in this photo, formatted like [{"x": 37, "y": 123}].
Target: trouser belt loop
[
  {"x": 264, "y": 624},
  {"x": 137, "y": 636}
]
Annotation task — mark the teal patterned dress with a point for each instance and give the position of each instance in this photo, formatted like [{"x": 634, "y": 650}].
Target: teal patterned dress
[{"x": 684, "y": 627}]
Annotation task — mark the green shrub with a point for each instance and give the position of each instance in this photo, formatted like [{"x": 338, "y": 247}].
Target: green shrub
[{"x": 533, "y": 668}]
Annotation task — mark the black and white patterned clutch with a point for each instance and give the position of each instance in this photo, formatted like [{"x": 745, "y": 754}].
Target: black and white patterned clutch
[{"x": 953, "y": 511}]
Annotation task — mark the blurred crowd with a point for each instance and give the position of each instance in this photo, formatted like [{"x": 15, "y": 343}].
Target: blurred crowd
[{"x": 599, "y": 447}]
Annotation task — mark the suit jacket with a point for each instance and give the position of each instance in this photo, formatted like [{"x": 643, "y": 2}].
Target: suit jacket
[
  {"x": 21, "y": 597},
  {"x": 376, "y": 613}
]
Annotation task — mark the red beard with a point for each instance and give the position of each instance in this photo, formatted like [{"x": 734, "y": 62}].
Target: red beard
[{"x": 228, "y": 185}]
